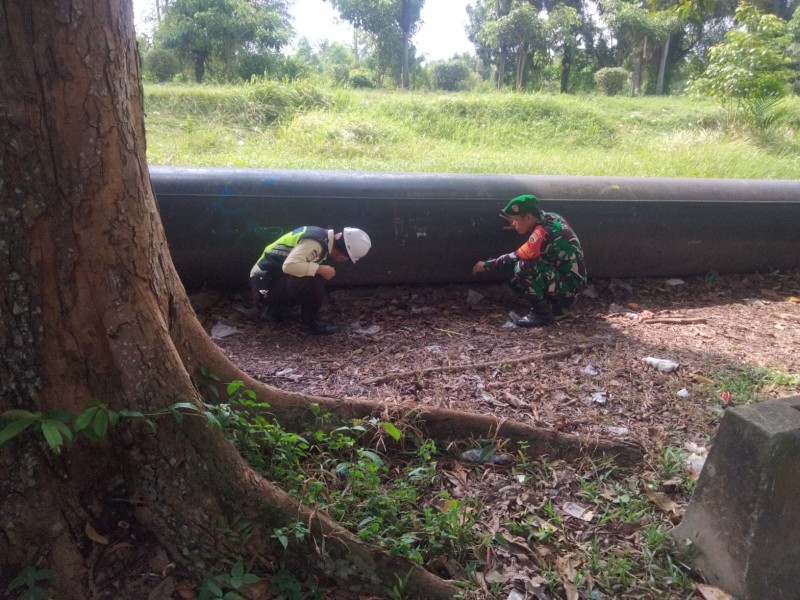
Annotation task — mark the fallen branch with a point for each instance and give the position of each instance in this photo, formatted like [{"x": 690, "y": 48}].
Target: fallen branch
[
  {"x": 484, "y": 365},
  {"x": 675, "y": 320}
]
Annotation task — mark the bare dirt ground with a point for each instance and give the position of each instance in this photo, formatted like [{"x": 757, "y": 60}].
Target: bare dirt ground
[
  {"x": 730, "y": 322},
  {"x": 454, "y": 346}
]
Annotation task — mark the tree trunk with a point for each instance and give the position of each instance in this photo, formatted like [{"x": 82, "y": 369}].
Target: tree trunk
[
  {"x": 92, "y": 308},
  {"x": 501, "y": 69},
  {"x": 662, "y": 66},
  {"x": 566, "y": 66},
  {"x": 405, "y": 60},
  {"x": 200, "y": 66},
  {"x": 522, "y": 57}
]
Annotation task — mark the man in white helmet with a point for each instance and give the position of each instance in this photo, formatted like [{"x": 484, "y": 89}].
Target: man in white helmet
[{"x": 290, "y": 272}]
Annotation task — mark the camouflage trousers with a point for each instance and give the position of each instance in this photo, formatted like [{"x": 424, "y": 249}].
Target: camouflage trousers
[{"x": 537, "y": 280}]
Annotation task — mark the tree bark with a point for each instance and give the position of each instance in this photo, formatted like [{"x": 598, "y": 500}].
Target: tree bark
[
  {"x": 566, "y": 66},
  {"x": 92, "y": 308},
  {"x": 662, "y": 66}
]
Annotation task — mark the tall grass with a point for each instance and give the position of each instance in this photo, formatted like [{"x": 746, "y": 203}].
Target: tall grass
[{"x": 299, "y": 126}]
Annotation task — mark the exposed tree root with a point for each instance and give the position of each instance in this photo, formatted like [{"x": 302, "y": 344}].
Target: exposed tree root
[{"x": 483, "y": 365}]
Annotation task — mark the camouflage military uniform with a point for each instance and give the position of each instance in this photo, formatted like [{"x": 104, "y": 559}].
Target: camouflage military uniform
[{"x": 549, "y": 264}]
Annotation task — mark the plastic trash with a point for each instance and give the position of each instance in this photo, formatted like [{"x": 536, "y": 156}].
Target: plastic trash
[
  {"x": 590, "y": 370},
  {"x": 359, "y": 329},
  {"x": 622, "y": 310},
  {"x": 683, "y": 393},
  {"x": 599, "y": 397},
  {"x": 674, "y": 282},
  {"x": 474, "y": 297},
  {"x": 662, "y": 364},
  {"x": 618, "y": 430},
  {"x": 220, "y": 331},
  {"x": 491, "y": 457}
]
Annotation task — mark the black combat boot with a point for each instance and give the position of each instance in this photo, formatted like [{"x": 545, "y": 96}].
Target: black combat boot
[
  {"x": 317, "y": 327},
  {"x": 561, "y": 305},
  {"x": 312, "y": 324},
  {"x": 541, "y": 314},
  {"x": 274, "y": 315}
]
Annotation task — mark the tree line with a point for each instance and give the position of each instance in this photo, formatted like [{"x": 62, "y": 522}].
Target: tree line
[{"x": 650, "y": 47}]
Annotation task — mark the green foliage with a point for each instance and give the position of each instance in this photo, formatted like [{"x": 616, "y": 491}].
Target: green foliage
[
  {"x": 612, "y": 81},
  {"x": 398, "y": 589},
  {"x": 360, "y": 79},
  {"x": 59, "y": 427},
  {"x": 161, "y": 65},
  {"x": 27, "y": 584},
  {"x": 203, "y": 32},
  {"x": 227, "y": 586},
  {"x": 746, "y": 384},
  {"x": 751, "y": 63},
  {"x": 450, "y": 76}
]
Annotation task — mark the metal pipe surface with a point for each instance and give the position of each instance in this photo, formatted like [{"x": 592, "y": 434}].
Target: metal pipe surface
[{"x": 431, "y": 228}]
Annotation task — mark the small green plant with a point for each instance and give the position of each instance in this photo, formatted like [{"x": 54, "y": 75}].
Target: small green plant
[
  {"x": 227, "y": 586},
  {"x": 28, "y": 582},
  {"x": 398, "y": 589},
  {"x": 297, "y": 531},
  {"x": 747, "y": 384}
]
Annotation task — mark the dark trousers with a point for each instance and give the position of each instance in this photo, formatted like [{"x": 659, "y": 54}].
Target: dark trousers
[{"x": 288, "y": 291}]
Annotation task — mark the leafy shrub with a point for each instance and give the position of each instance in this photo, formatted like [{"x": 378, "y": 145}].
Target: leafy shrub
[
  {"x": 161, "y": 65},
  {"x": 751, "y": 64},
  {"x": 450, "y": 76},
  {"x": 360, "y": 78},
  {"x": 612, "y": 81}
]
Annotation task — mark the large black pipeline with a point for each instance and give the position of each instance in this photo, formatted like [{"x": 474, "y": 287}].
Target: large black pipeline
[{"x": 431, "y": 228}]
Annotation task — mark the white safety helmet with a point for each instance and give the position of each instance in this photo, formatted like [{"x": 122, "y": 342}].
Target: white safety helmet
[{"x": 357, "y": 243}]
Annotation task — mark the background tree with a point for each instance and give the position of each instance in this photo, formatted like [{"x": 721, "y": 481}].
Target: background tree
[
  {"x": 637, "y": 29},
  {"x": 752, "y": 65},
  {"x": 482, "y": 31},
  {"x": 523, "y": 32},
  {"x": 410, "y": 13},
  {"x": 201, "y": 31},
  {"x": 563, "y": 28},
  {"x": 389, "y": 24},
  {"x": 450, "y": 75}
]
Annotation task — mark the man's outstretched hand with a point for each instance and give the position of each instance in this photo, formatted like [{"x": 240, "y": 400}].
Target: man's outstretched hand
[
  {"x": 507, "y": 219},
  {"x": 326, "y": 272}
]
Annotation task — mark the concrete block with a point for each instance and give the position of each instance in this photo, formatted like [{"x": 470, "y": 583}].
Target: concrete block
[{"x": 743, "y": 519}]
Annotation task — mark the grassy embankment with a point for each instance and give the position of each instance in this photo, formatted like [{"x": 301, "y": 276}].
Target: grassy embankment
[{"x": 299, "y": 126}]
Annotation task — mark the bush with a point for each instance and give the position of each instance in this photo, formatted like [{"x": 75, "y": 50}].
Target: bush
[
  {"x": 450, "y": 76},
  {"x": 161, "y": 65},
  {"x": 612, "y": 81},
  {"x": 360, "y": 78}
]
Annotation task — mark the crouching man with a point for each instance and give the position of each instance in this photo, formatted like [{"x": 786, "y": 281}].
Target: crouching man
[
  {"x": 548, "y": 269},
  {"x": 291, "y": 272}
]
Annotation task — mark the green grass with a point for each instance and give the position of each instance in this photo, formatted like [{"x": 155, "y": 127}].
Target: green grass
[
  {"x": 299, "y": 126},
  {"x": 747, "y": 384}
]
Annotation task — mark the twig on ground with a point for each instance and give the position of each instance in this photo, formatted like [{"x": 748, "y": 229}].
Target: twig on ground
[
  {"x": 675, "y": 320},
  {"x": 484, "y": 365}
]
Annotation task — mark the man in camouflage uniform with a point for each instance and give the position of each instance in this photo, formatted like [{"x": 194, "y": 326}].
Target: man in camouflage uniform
[{"x": 548, "y": 268}]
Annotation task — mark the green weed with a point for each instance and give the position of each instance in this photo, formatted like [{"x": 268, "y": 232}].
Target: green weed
[
  {"x": 747, "y": 384},
  {"x": 27, "y": 584}
]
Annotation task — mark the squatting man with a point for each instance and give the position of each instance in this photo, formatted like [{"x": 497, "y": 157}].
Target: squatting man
[
  {"x": 290, "y": 272},
  {"x": 548, "y": 269}
]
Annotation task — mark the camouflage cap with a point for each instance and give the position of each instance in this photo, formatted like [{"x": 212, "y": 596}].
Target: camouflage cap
[{"x": 521, "y": 205}]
